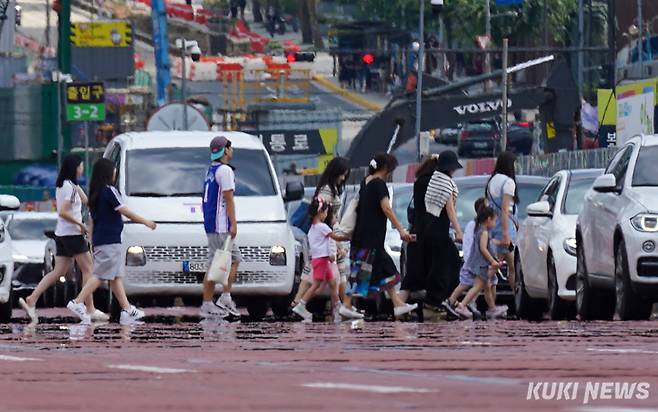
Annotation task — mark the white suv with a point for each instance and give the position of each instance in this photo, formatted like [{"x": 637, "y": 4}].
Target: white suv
[
  {"x": 160, "y": 176},
  {"x": 616, "y": 237}
]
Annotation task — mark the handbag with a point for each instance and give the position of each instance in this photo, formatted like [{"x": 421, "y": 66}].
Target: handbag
[
  {"x": 221, "y": 264},
  {"x": 348, "y": 221},
  {"x": 300, "y": 217},
  {"x": 361, "y": 272}
]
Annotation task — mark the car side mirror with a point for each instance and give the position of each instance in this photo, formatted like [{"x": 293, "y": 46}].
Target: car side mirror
[
  {"x": 9, "y": 202},
  {"x": 539, "y": 209},
  {"x": 294, "y": 191},
  {"x": 49, "y": 234},
  {"x": 606, "y": 184}
]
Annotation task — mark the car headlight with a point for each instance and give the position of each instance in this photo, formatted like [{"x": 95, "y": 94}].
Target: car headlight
[
  {"x": 645, "y": 222},
  {"x": 18, "y": 258},
  {"x": 570, "y": 245},
  {"x": 135, "y": 256},
  {"x": 278, "y": 256}
]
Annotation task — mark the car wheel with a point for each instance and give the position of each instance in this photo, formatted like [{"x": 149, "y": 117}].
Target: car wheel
[
  {"x": 257, "y": 308},
  {"x": 629, "y": 305},
  {"x": 526, "y": 307},
  {"x": 590, "y": 303},
  {"x": 5, "y": 309},
  {"x": 557, "y": 307}
]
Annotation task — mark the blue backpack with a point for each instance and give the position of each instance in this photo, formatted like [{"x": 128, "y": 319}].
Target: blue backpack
[{"x": 300, "y": 217}]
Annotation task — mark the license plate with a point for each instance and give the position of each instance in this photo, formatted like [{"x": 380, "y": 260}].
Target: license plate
[
  {"x": 191, "y": 267},
  {"x": 480, "y": 145}
]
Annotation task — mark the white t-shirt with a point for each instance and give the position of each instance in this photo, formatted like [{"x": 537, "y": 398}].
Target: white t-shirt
[
  {"x": 319, "y": 240},
  {"x": 226, "y": 180},
  {"x": 502, "y": 183},
  {"x": 68, "y": 191},
  {"x": 467, "y": 242}
]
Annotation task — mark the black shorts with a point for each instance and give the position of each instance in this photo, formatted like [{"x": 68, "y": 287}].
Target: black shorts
[{"x": 69, "y": 246}]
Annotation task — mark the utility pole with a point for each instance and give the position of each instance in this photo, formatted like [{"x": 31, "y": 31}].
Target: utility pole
[
  {"x": 640, "y": 25},
  {"x": 487, "y": 33},
  {"x": 64, "y": 37},
  {"x": 184, "y": 85},
  {"x": 581, "y": 44},
  {"x": 504, "y": 84},
  {"x": 419, "y": 83},
  {"x": 47, "y": 34},
  {"x": 612, "y": 46}
]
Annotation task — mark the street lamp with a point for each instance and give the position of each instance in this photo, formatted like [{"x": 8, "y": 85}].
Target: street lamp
[{"x": 187, "y": 48}]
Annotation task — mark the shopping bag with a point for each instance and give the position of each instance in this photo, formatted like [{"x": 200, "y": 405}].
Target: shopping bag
[
  {"x": 348, "y": 221},
  {"x": 300, "y": 217},
  {"x": 221, "y": 264}
]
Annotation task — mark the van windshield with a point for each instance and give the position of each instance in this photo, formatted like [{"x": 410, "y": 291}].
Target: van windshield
[{"x": 167, "y": 172}]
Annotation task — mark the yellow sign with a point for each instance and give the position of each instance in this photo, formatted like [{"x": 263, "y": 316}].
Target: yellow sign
[{"x": 101, "y": 34}]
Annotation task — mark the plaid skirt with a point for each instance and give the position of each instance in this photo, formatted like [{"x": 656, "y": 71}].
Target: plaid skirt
[{"x": 372, "y": 272}]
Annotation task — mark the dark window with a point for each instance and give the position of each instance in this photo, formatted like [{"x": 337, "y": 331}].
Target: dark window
[
  {"x": 549, "y": 194},
  {"x": 181, "y": 171},
  {"x": 30, "y": 229},
  {"x": 646, "y": 167},
  {"x": 575, "y": 198},
  {"x": 619, "y": 165}
]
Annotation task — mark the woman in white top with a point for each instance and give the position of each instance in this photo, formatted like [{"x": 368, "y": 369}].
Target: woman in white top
[
  {"x": 70, "y": 238},
  {"x": 502, "y": 195}
]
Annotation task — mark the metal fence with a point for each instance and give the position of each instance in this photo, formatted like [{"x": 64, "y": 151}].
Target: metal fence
[
  {"x": 536, "y": 165},
  {"x": 549, "y": 164}
]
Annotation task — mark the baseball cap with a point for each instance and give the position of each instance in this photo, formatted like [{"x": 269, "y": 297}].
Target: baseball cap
[{"x": 217, "y": 146}]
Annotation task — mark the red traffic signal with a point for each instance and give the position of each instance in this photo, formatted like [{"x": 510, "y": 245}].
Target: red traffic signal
[{"x": 368, "y": 58}]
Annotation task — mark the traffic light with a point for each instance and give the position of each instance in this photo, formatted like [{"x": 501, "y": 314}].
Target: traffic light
[
  {"x": 368, "y": 59},
  {"x": 300, "y": 57}
]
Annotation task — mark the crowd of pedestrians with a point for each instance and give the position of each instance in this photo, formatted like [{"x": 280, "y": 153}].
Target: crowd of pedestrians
[{"x": 346, "y": 242}]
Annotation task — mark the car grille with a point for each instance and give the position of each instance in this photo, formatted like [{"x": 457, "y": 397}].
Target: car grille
[
  {"x": 647, "y": 267},
  {"x": 250, "y": 254},
  {"x": 242, "y": 278}
]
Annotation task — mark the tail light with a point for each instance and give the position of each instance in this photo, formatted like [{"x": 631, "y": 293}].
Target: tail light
[
  {"x": 463, "y": 135},
  {"x": 525, "y": 124}
]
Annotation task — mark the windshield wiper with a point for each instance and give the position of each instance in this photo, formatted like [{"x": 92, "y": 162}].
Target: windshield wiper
[
  {"x": 186, "y": 194},
  {"x": 147, "y": 194}
]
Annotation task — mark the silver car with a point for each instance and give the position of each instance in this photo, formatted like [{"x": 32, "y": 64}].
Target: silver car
[{"x": 616, "y": 236}]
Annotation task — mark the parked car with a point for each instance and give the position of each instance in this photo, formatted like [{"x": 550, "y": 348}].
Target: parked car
[
  {"x": 7, "y": 202},
  {"x": 470, "y": 189},
  {"x": 545, "y": 254},
  {"x": 481, "y": 138},
  {"x": 448, "y": 135},
  {"x": 520, "y": 137},
  {"x": 616, "y": 237},
  {"x": 160, "y": 175}
]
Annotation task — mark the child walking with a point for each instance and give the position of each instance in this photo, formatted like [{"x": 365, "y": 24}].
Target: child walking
[
  {"x": 479, "y": 268},
  {"x": 106, "y": 210},
  {"x": 466, "y": 278},
  {"x": 323, "y": 259}
]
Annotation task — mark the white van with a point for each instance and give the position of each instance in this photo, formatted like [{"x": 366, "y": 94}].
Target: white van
[{"x": 160, "y": 176}]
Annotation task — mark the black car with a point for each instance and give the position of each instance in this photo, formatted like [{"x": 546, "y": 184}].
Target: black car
[
  {"x": 448, "y": 135},
  {"x": 479, "y": 138},
  {"x": 520, "y": 137},
  {"x": 470, "y": 189}
]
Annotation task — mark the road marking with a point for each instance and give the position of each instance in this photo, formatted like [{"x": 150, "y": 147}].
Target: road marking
[
  {"x": 17, "y": 358},
  {"x": 621, "y": 350},
  {"x": 367, "y": 388},
  {"x": 145, "y": 368},
  {"x": 614, "y": 409}
]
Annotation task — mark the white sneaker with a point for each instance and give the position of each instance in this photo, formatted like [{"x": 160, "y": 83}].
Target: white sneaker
[
  {"x": 80, "y": 310},
  {"x": 30, "y": 310},
  {"x": 337, "y": 317},
  {"x": 497, "y": 312},
  {"x": 301, "y": 310},
  {"x": 404, "y": 309},
  {"x": 225, "y": 302},
  {"x": 131, "y": 316},
  {"x": 210, "y": 310},
  {"x": 349, "y": 313},
  {"x": 99, "y": 316}
]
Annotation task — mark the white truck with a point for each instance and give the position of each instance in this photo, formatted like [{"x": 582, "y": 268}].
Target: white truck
[{"x": 7, "y": 202}]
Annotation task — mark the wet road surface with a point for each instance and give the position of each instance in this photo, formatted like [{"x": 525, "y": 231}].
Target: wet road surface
[{"x": 175, "y": 362}]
